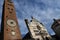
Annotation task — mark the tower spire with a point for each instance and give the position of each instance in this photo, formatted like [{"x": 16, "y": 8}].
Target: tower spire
[{"x": 9, "y": 24}]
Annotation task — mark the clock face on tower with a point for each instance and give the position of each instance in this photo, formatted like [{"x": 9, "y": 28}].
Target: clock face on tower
[
  {"x": 11, "y": 22},
  {"x": 13, "y": 33}
]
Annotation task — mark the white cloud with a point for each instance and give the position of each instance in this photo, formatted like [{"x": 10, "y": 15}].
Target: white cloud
[
  {"x": 39, "y": 11},
  {"x": 1, "y": 3},
  {"x": 0, "y": 24},
  {"x": 22, "y": 25},
  {"x": 44, "y": 12}
]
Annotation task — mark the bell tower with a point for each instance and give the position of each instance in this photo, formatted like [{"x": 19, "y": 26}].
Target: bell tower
[
  {"x": 56, "y": 27},
  {"x": 9, "y": 24}
]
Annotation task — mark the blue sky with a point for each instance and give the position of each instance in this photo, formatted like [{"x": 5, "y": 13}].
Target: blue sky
[{"x": 43, "y": 10}]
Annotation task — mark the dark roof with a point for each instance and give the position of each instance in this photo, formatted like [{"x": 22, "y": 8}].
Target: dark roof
[
  {"x": 56, "y": 37},
  {"x": 27, "y": 36},
  {"x": 55, "y": 23}
]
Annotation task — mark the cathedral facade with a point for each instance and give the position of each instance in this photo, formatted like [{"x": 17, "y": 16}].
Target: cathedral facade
[{"x": 37, "y": 30}]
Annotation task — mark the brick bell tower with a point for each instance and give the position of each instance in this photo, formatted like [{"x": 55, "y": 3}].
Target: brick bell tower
[{"x": 9, "y": 24}]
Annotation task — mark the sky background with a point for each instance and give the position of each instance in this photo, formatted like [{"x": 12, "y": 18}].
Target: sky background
[{"x": 43, "y": 10}]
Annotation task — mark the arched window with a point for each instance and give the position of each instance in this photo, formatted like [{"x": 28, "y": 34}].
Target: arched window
[
  {"x": 10, "y": 1},
  {"x": 38, "y": 39},
  {"x": 47, "y": 38}
]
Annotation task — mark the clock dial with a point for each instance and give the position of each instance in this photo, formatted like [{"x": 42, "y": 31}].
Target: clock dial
[
  {"x": 13, "y": 33},
  {"x": 11, "y": 22}
]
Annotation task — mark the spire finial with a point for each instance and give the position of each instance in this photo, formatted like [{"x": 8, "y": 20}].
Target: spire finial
[
  {"x": 54, "y": 19},
  {"x": 32, "y": 17}
]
